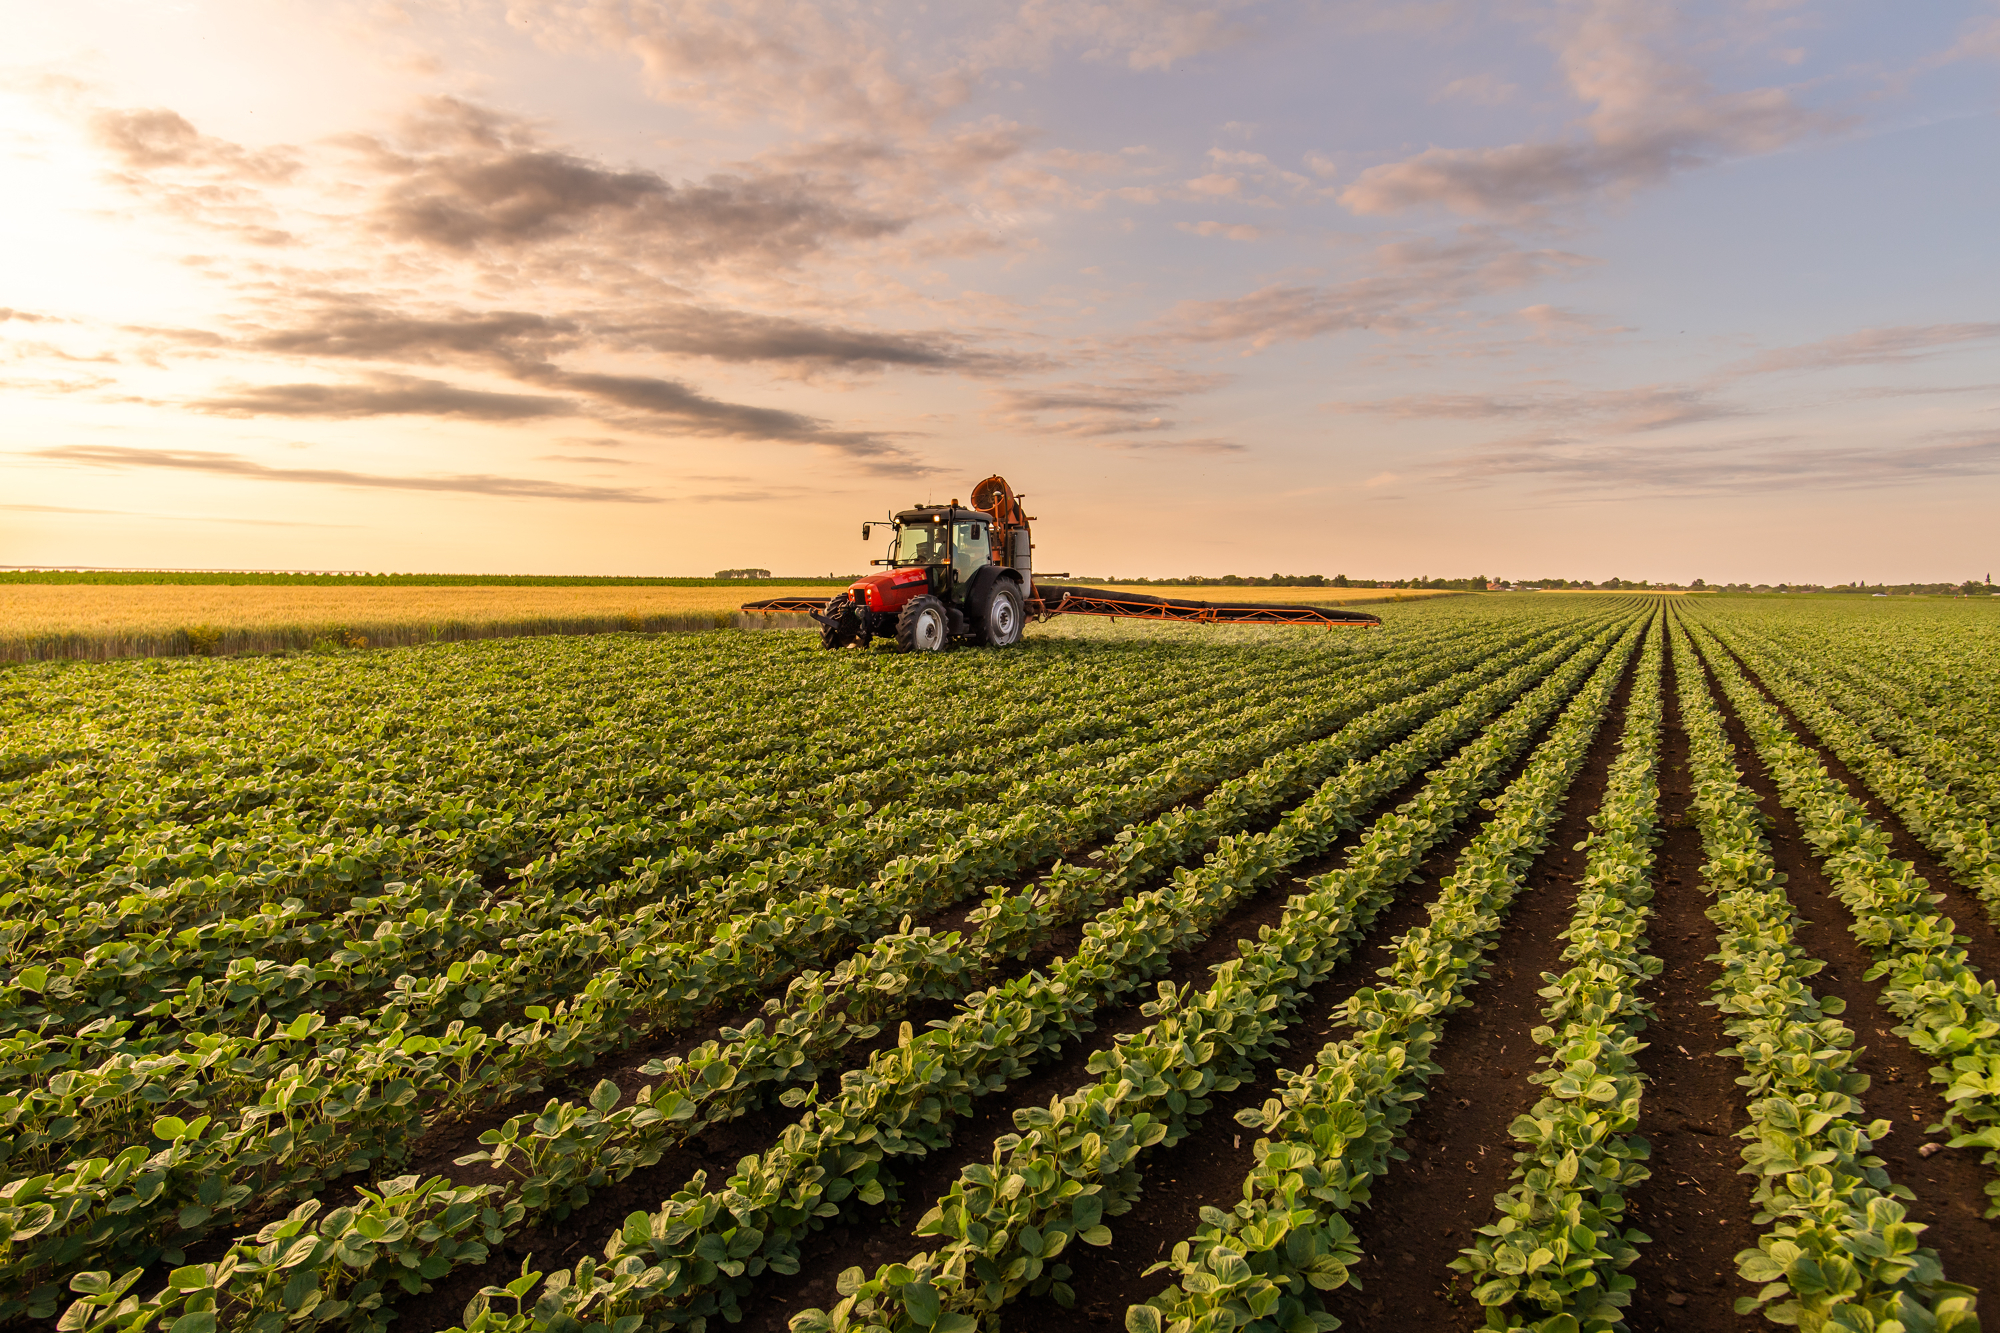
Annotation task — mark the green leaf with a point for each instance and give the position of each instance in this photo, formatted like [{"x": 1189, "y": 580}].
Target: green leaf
[
  {"x": 1142, "y": 1319},
  {"x": 920, "y": 1300}
]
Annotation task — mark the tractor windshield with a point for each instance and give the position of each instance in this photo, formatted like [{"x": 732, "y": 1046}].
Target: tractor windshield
[{"x": 922, "y": 544}]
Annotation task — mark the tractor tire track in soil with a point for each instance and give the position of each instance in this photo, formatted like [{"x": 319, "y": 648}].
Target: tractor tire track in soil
[
  {"x": 1198, "y": 1170},
  {"x": 1950, "y": 1183},
  {"x": 717, "y": 1149},
  {"x": 1696, "y": 1206}
]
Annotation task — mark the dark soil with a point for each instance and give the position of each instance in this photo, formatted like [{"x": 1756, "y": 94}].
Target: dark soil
[
  {"x": 1982, "y": 942},
  {"x": 1696, "y": 1206},
  {"x": 1205, "y": 1168},
  {"x": 717, "y": 1149},
  {"x": 1950, "y": 1183}
]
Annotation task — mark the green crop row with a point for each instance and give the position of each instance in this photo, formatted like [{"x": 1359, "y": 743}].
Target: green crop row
[
  {"x": 230, "y": 974},
  {"x": 1839, "y": 1252},
  {"x": 147, "y": 951},
  {"x": 570, "y": 1149},
  {"x": 1948, "y": 1013},
  {"x": 692, "y": 1260},
  {"x": 1331, "y": 1131},
  {"x": 1919, "y": 789},
  {"x": 1554, "y": 1258},
  {"x": 365, "y": 1096}
]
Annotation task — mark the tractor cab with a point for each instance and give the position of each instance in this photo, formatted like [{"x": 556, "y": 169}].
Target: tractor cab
[{"x": 950, "y": 544}]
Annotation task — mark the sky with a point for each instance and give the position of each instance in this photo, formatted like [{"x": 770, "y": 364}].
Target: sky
[{"x": 1586, "y": 288}]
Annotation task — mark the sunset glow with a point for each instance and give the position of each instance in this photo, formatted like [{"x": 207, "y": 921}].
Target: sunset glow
[{"x": 667, "y": 286}]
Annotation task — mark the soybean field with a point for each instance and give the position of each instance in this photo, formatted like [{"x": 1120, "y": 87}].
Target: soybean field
[{"x": 1538, "y": 962}]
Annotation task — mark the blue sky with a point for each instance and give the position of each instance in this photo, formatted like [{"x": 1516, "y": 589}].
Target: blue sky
[{"x": 663, "y": 286}]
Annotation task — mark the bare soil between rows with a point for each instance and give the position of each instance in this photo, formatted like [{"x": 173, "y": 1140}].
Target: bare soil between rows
[
  {"x": 716, "y": 1150},
  {"x": 1207, "y": 1167},
  {"x": 1949, "y": 1183}
]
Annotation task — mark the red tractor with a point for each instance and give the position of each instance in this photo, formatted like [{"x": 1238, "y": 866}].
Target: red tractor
[{"x": 963, "y": 575}]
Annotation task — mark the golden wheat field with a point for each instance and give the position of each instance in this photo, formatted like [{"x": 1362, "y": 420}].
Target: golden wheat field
[
  {"x": 142, "y": 608},
  {"x": 150, "y": 620}
]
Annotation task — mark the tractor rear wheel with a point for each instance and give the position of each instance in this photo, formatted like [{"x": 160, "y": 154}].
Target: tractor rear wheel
[
  {"x": 923, "y": 626},
  {"x": 1004, "y": 618},
  {"x": 837, "y": 627}
]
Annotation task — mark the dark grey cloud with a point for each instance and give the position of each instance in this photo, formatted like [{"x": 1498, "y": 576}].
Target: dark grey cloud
[
  {"x": 460, "y": 176},
  {"x": 1870, "y": 347},
  {"x": 663, "y": 405},
  {"x": 235, "y": 465},
  {"x": 727, "y": 335},
  {"x": 360, "y": 329},
  {"x": 382, "y": 395},
  {"x": 368, "y": 332}
]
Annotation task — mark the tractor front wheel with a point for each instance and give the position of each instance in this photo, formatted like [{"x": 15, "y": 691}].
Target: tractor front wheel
[
  {"x": 923, "y": 626},
  {"x": 837, "y": 623}
]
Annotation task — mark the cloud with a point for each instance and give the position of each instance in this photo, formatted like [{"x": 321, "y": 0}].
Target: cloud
[
  {"x": 383, "y": 395},
  {"x": 1408, "y": 279},
  {"x": 460, "y": 176},
  {"x": 364, "y": 331},
  {"x": 235, "y": 465},
  {"x": 1553, "y": 322},
  {"x": 636, "y": 402},
  {"x": 1725, "y": 469},
  {"x": 1210, "y": 445},
  {"x": 175, "y": 518},
  {"x": 354, "y": 327},
  {"x": 1654, "y": 116},
  {"x": 1870, "y": 347},
  {"x": 1094, "y": 411},
  {"x": 668, "y": 405},
  {"x": 154, "y": 139},
  {"x": 1479, "y": 90},
  {"x": 211, "y": 182},
  {"x": 1618, "y": 411},
  {"x": 1237, "y": 232}
]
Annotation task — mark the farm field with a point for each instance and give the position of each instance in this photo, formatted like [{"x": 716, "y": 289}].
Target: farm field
[
  {"x": 124, "y": 620},
  {"x": 1544, "y": 962},
  {"x": 108, "y": 620},
  {"x": 1208, "y": 592}
]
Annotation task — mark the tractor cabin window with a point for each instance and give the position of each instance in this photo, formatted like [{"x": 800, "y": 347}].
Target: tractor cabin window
[{"x": 922, "y": 544}]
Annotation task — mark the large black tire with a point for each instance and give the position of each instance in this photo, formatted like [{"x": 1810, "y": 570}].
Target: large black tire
[
  {"x": 1004, "y": 617},
  {"x": 838, "y": 625},
  {"x": 924, "y": 626}
]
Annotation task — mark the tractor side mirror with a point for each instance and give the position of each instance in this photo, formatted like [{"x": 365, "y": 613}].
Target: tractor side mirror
[{"x": 864, "y": 531}]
